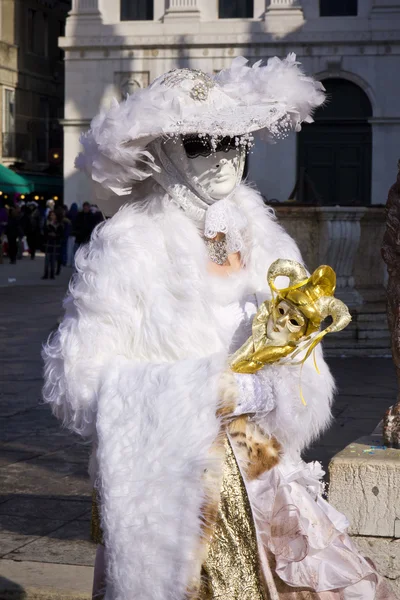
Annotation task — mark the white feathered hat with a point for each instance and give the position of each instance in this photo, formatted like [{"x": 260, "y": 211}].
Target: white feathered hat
[{"x": 275, "y": 98}]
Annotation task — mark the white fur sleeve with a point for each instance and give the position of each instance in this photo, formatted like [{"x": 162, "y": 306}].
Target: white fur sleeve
[
  {"x": 126, "y": 300},
  {"x": 294, "y": 424},
  {"x": 79, "y": 360}
]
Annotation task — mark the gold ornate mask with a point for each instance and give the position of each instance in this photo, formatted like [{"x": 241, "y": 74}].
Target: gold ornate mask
[
  {"x": 293, "y": 316},
  {"x": 287, "y": 325}
]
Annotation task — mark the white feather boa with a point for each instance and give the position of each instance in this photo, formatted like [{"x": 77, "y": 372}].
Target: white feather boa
[
  {"x": 152, "y": 455},
  {"x": 135, "y": 362}
]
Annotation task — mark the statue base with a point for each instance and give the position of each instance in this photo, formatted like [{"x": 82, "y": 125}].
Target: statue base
[{"x": 364, "y": 484}]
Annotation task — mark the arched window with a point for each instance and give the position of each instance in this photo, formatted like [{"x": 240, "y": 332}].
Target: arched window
[
  {"x": 136, "y": 10},
  {"x": 235, "y": 9},
  {"x": 334, "y": 152}
]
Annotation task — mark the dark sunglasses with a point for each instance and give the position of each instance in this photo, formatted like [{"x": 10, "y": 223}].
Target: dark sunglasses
[{"x": 202, "y": 146}]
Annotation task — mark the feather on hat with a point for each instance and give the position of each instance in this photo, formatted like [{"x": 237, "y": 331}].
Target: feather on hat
[{"x": 274, "y": 99}]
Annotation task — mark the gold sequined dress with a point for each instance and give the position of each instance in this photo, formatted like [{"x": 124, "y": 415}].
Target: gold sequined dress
[{"x": 301, "y": 550}]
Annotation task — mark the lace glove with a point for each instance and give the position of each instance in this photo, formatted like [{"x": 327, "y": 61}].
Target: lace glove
[{"x": 255, "y": 394}]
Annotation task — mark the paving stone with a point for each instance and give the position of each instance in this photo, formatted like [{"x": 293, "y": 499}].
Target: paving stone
[
  {"x": 9, "y": 457},
  {"x": 33, "y": 507},
  {"x": 9, "y": 408},
  {"x": 42, "y": 581},
  {"x": 86, "y": 516},
  {"x": 68, "y": 545},
  {"x": 28, "y": 525},
  {"x": 12, "y": 541},
  {"x": 75, "y": 454},
  {"x": 33, "y": 479},
  {"x": 386, "y": 556},
  {"x": 43, "y": 444}
]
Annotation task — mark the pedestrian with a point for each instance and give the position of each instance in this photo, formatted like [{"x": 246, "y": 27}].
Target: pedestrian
[
  {"x": 71, "y": 215},
  {"x": 50, "y": 204},
  {"x": 14, "y": 233},
  {"x": 53, "y": 234},
  {"x": 61, "y": 214},
  {"x": 32, "y": 228},
  {"x": 21, "y": 211},
  {"x": 85, "y": 222},
  {"x": 97, "y": 214},
  {"x": 3, "y": 225}
]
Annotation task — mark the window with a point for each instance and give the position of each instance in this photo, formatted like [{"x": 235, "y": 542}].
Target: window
[
  {"x": 9, "y": 110},
  {"x": 9, "y": 123},
  {"x": 42, "y": 139},
  {"x": 61, "y": 33},
  {"x": 338, "y": 8},
  {"x": 334, "y": 153},
  {"x": 37, "y": 32},
  {"x": 43, "y": 46},
  {"x": 235, "y": 9},
  {"x": 136, "y": 10},
  {"x": 31, "y": 30}
]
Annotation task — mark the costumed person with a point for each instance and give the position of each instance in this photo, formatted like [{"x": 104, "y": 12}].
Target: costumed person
[{"x": 201, "y": 491}]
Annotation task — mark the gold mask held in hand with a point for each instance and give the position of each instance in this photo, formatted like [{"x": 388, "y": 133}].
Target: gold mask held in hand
[{"x": 290, "y": 322}]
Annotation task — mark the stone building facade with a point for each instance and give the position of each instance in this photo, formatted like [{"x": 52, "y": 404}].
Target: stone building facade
[
  {"x": 8, "y": 73},
  {"x": 32, "y": 87},
  {"x": 332, "y": 178}
]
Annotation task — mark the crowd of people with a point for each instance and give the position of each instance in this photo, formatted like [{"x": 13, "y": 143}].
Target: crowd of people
[{"x": 58, "y": 231}]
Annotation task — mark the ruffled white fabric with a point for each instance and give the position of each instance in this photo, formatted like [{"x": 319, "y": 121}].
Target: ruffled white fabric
[
  {"x": 254, "y": 395},
  {"x": 307, "y": 535},
  {"x": 225, "y": 217}
]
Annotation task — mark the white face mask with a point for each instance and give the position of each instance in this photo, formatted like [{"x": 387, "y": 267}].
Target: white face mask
[
  {"x": 217, "y": 174},
  {"x": 211, "y": 177},
  {"x": 203, "y": 185}
]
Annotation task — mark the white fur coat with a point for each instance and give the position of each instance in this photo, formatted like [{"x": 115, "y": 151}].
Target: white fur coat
[{"x": 136, "y": 362}]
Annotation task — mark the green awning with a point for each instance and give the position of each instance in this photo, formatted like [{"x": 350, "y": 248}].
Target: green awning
[
  {"x": 12, "y": 183},
  {"x": 45, "y": 184}
]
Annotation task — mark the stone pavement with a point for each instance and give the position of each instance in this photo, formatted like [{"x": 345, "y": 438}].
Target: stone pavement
[
  {"x": 45, "y": 494},
  {"x": 29, "y": 272}
]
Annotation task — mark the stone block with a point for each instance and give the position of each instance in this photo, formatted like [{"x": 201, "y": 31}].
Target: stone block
[
  {"x": 385, "y": 552},
  {"x": 43, "y": 581},
  {"x": 69, "y": 544},
  {"x": 364, "y": 485}
]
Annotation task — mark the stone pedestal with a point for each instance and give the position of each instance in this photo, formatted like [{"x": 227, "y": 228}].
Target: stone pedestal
[
  {"x": 82, "y": 14},
  {"x": 283, "y": 15},
  {"x": 85, "y": 8},
  {"x": 364, "y": 485},
  {"x": 349, "y": 240},
  {"x": 340, "y": 233},
  {"x": 384, "y": 8},
  {"x": 182, "y": 10}
]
